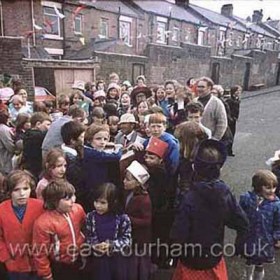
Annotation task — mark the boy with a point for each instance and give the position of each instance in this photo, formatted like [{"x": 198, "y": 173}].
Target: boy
[
  {"x": 194, "y": 113},
  {"x": 32, "y": 142},
  {"x": 157, "y": 126},
  {"x": 98, "y": 116}
]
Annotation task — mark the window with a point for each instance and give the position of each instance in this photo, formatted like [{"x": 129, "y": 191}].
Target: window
[
  {"x": 239, "y": 41},
  {"x": 104, "y": 28},
  {"x": 125, "y": 29},
  {"x": 51, "y": 23},
  {"x": 201, "y": 35},
  {"x": 78, "y": 24},
  {"x": 175, "y": 34},
  {"x": 161, "y": 32}
]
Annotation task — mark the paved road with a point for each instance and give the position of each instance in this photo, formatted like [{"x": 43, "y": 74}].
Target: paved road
[{"x": 258, "y": 136}]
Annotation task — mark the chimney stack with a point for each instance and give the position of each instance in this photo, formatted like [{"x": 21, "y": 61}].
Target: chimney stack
[
  {"x": 182, "y": 3},
  {"x": 257, "y": 16},
  {"x": 227, "y": 10}
]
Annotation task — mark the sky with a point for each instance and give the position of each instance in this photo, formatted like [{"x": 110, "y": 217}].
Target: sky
[{"x": 244, "y": 8}]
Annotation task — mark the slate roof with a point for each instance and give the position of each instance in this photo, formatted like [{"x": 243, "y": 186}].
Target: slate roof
[
  {"x": 217, "y": 18},
  {"x": 36, "y": 52},
  {"x": 274, "y": 23},
  {"x": 274, "y": 31},
  {"x": 112, "y": 6},
  {"x": 254, "y": 27},
  {"x": 164, "y": 8}
]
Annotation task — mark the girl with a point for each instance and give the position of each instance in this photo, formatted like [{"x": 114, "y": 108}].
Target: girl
[
  {"x": 17, "y": 216},
  {"x": 139, "y": 209},
  {"x": 22, "y": 124},
  {"x": 262, "y": 207},
  {"x": 113, "y": 92},
  {"x": 161, "y": 100},
  {"x": 54, "y": 168},
  {"x": 16, "y": 107},
  {"x": 142, "y": 107},
  {"x": 76, "y": 97},
  {"x": 108, "y": 233},
  {"x": 189, "y": 134},
  {"x": 204, "y": 211},
  {"x": 63, "y": 103},
  {"x": 58, "y": 231},
  {"x": 101, "y": 158},
  {"x": 124, "y": 106}
]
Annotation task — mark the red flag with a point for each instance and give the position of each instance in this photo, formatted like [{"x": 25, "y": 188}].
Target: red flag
[{"x": 77, "y": 10}]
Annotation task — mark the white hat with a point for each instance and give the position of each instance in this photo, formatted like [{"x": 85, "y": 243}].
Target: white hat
[
  {"x": 127, "y": 83},
  {"x": 99, "y": 93},
  {"x": 138, "y": 172},
  {"x": 127, "y": 118},
  {"x": 276, "y": 157},
  {"x": 79, "y": 85}
]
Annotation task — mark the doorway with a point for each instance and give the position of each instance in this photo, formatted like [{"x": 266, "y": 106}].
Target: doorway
[
  {"x": 246, "y": 76},
  {"x": 215, "y": 76}
]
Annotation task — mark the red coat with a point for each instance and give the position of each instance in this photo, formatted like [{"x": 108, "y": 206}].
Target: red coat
[
  {"x": 54, "y": 238},
  {"x": 16, "y": 237},
  {"x": 139, "y": 210}
]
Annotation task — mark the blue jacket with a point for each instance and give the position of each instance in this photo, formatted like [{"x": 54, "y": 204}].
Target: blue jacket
[
  {"x": 97, "y": 166},
  {"x": 203, "y": 214},
  {"x": 172, "y": 156},
  {"x": 264, "y": 230}
]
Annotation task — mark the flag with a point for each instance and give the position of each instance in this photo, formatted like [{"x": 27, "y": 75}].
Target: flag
[
  {"x": 58, "y": 13},
  {"x": 37, "y": 27},
  {"x": 77, "y": 10}
]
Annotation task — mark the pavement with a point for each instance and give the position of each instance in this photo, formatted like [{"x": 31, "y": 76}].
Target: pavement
[{"x": 250, "y": 94}]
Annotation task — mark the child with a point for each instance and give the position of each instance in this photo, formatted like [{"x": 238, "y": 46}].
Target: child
[
  {"x": 17, "y": 216},
  {"x": 157, "y": 125},
  {"x": 113, "y": 125},
  {"x": 73, "y": 134},
  {"x": 109, "y": 234},
  {"x": 58, "y": 230},
  {"x": 139, "y": 209},
  {"x": 99, "y": 165},
  {"x": 274, "y": 164},
  {"x": 32, "y": 142},
  {"x": 54, "y": 168},
  {"x": 262, "y": 207},
  {"x": 63, "y": 103},
  {"x": 125, "y": 103},
  {"x": 204, "y": 212},
  {"x": 98, "y": 116}
]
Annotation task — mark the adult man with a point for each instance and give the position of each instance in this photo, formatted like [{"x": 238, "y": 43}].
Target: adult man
[{"x": 214, "y": 116}]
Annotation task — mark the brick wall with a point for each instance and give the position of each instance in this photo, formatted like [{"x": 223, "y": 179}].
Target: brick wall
[{"x": 11, "y": 62}]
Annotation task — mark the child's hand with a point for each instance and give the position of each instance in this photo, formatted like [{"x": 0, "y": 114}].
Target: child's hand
[{"x": 137, "y": 146}]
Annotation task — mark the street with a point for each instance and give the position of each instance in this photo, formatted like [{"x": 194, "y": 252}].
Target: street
[{"x": 255, "y": 142}]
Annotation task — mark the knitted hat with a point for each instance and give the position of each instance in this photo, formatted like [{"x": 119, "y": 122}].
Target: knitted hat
[
  {"x": 138, "y": 172},
  {"x": 157, "y": 147},
  {"x": 99, "y": 93},
  {"x": 113, "y": 85}
]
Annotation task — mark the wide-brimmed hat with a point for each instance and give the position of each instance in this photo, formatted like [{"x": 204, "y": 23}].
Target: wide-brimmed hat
[
  {"x": 138, "y": 172},
  {"x": 273, "y": 159},
  {"x": 137, "y": 90},
  {"x": 127, "y": 118},
  {"x": 79, "y": 85}
]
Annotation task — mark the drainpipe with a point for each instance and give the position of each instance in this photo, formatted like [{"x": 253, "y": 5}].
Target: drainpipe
[
  {"x": 32, "y": 23},
  {"x": 2, "y": 19},
  {"x": 63, "y": 29}
]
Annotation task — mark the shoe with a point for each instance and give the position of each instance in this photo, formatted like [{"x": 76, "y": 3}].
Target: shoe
[
  {"x": 231, "y": 155},
  {"x": 248, "y": 273}
]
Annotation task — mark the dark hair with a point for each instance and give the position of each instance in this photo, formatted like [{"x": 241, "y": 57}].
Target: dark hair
[
  {"x": 234, "y": 89},
  {"x": 109, "y": 192},
  {"x": 263, "y": 178},
  {"x": 188, "y": 83},
  {"x": 39, "y": 117},
  {"x": 56, "y": 190},
  {"x": 63, "y": 99},
  {"x": 76, "y": 112},
  {"x": 76, "y": 92},
  {"x": 21, "y": 120},
  {"x": 17, "y": 176},
  {"x": 98, "y": 112},
  {"x": 169, "y": 82},
  {"x": 195, "y": 107},
  {"x": 71, "y": 131},
  {"x": 4, "y": 116},
  {"x": 50, "y": 161},
  {"x": 39, "y": 106}
]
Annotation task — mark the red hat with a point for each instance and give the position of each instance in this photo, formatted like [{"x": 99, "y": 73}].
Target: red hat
[{"x": 157, "y": 147}]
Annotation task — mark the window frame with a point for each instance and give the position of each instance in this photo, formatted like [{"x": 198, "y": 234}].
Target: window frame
[
  {"x": 127, "y": 21},
  {"x": 80, "y": 17},
  {"x": 106, "y": 22}
]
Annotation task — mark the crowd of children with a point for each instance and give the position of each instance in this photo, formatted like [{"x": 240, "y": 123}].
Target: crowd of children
[{"x": 145, "y": 173}]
